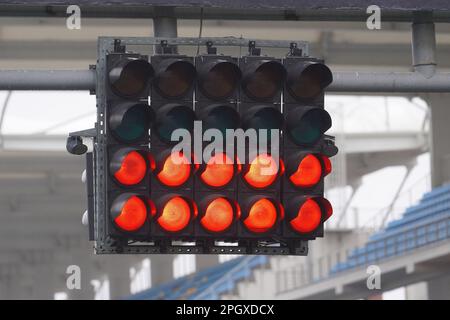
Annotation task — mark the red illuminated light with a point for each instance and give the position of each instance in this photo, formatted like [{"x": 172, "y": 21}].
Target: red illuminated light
[
  {"x": 176, "y": 214},
  {"x": 308, "y": 217},
  {"x": 262, "y": 171},
  {"x": 327, "y": 165},
  {"x": 326, "y": 205},
  {"x": 132, "y": 169},
  {"x": 309, "y": 172},
  {"x": 175, "y": 170},
  {"x": 132, "y": 215},
  {"x": 219, "y": 215},
  {"x": 262, "y": 216},
  {"x": 218, "y": 171}
]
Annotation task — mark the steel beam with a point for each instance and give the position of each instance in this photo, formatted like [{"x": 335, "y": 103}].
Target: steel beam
[
  {"x": 424, "y": 45},
  {"x": 415, "y": 82},
  {"x": 165, "y": 22},
  {"x": 283, "y": 10},
  {"x": 47, "y": 80},
  {"x": 424, "y": 79},
  {"x": 164, "y": 25},
  {"x": 346, "y": 81}
]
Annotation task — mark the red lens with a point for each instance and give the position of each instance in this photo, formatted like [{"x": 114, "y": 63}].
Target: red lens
[
  {"x": 218, "y": 216},
  {"x": 175, "y": 215},
  {"x": 262, "y": 171},
  {"x": 175, "y": 171},
  {"x": 308, "y": 173},
  {"x": 262, "y": 216},
  {"x": 326, "y": 205},
  {"x": 219, "y": 171},
  {"x": 327, "y": 165},
  {"x": 133, "y": 214},
  {"x": 308, "y": 217},
  {"x": 132, "y": 169}
]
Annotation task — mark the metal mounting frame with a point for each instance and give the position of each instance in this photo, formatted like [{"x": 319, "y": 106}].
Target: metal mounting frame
[{"x": 205, "y": 41}]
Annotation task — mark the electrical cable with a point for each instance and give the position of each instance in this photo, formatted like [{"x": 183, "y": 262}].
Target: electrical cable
[{"x": 200, "y": 31}]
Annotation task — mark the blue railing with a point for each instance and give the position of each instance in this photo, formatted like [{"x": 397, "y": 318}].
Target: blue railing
[
  {"x": 205, "y": 284},
  {"x": 423, "y": 224},
  {"x": 399, "y": 243},
  {"x": 228, "y": 282}
]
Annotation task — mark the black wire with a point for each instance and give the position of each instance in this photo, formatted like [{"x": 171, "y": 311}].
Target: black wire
[{"x": 200, "y": 31}]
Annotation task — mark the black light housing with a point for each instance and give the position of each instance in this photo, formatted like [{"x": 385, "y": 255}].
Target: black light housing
[
  {"x": 306, "y": 125},
  {"x": 130, "y": 121},
  {"x": 307, "y": 80},
  {"x": 174, "y": 77},
  {"x": 173, "y": 116},
  {"x": 262, "y": 117},
  {"x": 131, "y": 76},
  {"x": 218, "y": 79},
  {"x": 219, "y": 116},
  {"x": 263, "y": 79}
]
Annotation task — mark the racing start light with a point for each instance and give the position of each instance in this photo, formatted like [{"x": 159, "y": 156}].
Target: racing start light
[
  {"x": 174, "y": 77},
  {"x": 128, "y": 166},
  {"x": 173, "y": 169},
  {"x": 263, "y": 79},
  {"x": 219, "y": 171},
  {"x": 219, "y": 215},
  {"x": 159, "y": 182},
  {"x": 129, "y": 212},
  {"x": 218, "y": 79},
  {"x": 262, "y": 215},
  {"x": 262, "y": 171},
  {"x": 308, "y": 172},
  {"x": 176, "y": 214},
  {"x": 129, "y": 77},
  {"x": 307, "y": 80}
]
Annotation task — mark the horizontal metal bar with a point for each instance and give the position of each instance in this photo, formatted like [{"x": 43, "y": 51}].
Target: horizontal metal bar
[
  {"x": 47, "y": 79},
  {"x": 389, "y": 82},
  {"x": 238, "y": 10},
  {"x": 348, "y": 81},
  {"x": 216, "y": 41}
]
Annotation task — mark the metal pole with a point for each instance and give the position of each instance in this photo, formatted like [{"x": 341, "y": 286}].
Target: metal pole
[
  {"x": 413, "y": 82},
  {"x": 424, "y": 44},
  {"x": 47, "y": 80},
  {"x": 164, "y": 25}
]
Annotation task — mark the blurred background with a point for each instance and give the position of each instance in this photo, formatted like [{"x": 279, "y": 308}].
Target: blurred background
[{"x": 391, "y": 201}]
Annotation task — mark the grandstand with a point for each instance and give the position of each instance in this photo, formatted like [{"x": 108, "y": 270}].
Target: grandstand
[
  {"x": 423, "y": 224},
  {"x": 206, "y": 284}
]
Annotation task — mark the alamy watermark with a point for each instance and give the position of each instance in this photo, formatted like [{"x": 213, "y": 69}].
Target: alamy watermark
[
  {"x": 73, "y": 281},
  {"x": 240, "y": 146},
  {"x": 73, "y": 21},
  {"x": 373, "y": 22},
  {"x": 374, "y": 277}
]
